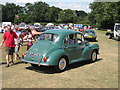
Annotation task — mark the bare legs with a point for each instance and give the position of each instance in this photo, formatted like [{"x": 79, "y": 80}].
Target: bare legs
[{"x": 9, "y": 59}]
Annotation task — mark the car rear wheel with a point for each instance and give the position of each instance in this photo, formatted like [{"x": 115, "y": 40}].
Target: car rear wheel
[
  {"x": 117, "y": 38},
  {"x": 94, "y": 56},
  {"x": 62, "y": 65},
  {"x": 94, "y": 39}
]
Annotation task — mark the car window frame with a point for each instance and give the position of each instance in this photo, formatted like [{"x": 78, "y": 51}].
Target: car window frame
[
  {"x": 76, "y": 39},
  {"x": 67, "y": 39},
  {"x": 51, "y": 37},
  {"x": 82, "y": 38}
]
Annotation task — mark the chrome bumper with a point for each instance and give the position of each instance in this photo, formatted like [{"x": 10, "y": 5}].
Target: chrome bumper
[{"x": 35, "y": 63}]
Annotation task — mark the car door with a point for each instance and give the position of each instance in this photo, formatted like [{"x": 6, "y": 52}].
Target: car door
[
  {"x": 75, "y": 49},
  {"x": 80, "y": 45},
  {"x": 70, "y": 46}
]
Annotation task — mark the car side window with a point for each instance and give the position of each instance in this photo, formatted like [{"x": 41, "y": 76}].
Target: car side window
[
  {"x": 49, "y": 37},
  {"x": 79, "y": 38},
  {"x": 70, "y": 39}
]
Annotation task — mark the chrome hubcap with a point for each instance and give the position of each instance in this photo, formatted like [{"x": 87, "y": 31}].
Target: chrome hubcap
[{"x": 62, "y": 64}]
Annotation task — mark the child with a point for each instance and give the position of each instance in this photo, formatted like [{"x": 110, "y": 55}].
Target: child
[{"x": 29, "y": 39}]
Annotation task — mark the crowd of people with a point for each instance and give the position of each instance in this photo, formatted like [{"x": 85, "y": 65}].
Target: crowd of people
[{"x": 13, "y": 39}]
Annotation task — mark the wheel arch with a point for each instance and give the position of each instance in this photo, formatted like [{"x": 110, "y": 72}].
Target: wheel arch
[
  {"x": 56, "y": 55},
  {"x": 88, "y": 51}
]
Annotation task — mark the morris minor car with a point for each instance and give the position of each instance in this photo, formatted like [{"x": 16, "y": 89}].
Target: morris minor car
[
  {"x": 89, "y": 34},
  {"x": 59, "y": 48}
]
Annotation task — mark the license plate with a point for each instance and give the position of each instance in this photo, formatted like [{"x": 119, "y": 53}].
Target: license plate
[{"x": 89, "y": 36}]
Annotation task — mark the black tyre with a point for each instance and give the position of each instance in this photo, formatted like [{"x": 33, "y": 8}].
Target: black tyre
[
  {"x": 62, "y": 65},
  {"x": 95, "y": 39},
  {"x": 94, "y": 56},
  {"x": 107, "y": 34},
  {"x": 117, "y": 38}
]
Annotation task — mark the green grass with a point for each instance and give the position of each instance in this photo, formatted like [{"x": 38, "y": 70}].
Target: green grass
[{"x": 101, "y": 31}]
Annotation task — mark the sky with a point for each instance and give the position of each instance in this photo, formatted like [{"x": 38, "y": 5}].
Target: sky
[{"x": 63, "y": 4}]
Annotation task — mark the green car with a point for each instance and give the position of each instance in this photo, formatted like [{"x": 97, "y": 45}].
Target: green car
[
  {"x": 60, "y": 48},
  {"x": 89, "y": 34}
]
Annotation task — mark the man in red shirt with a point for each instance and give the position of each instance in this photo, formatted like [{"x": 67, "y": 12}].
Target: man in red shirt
[{"x": 8, "y": 38}]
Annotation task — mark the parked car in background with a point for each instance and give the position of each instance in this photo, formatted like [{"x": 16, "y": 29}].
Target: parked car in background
[
  {"x": 22, "y": 26},
  {"x": 59, "y": 48},
  {"x": 6, "y": 24},
  {"x": 89, "y": 34},
  {"x": 116, "y": 33},
  {"x": 81, "y": 29},
  {"x": 37, "y": 25}
]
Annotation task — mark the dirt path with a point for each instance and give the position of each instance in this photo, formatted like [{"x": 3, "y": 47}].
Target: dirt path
[{"x": 101, "y": 74}]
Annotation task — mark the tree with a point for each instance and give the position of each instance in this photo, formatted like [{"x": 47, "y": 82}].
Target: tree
[
  {"x": 52, "y": 14},
  {"x": 9, "y": 11},
  {"x": 81, "y": 17},
  {"x": 104, "y": 14},
  {"x": 66, "y": 16},
  {"x": 41, "y": 12}
]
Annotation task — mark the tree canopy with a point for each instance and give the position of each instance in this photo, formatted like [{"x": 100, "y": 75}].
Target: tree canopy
[
  {"x": 104, "y": 14},
  {"x": 39, "y": 12}
]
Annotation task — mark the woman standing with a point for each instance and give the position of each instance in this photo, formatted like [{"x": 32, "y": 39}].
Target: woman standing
[{"x": 29, "y": 39}]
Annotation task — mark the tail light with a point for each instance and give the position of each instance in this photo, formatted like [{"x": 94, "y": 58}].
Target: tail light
[
  {"x": 45, "y": 59},
  {"x": 82, "y": 30},
  {"x": 23, "y": 55}
]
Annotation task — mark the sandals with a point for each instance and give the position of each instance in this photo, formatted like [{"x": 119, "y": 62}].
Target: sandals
[
  {"x": 7, "y": 65},
  {"x": 11, "y": 62}
]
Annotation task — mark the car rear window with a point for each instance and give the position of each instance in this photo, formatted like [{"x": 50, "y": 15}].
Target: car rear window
[
  {"x": 48, "y": 37},
  {"x": 90, "y": 32}
]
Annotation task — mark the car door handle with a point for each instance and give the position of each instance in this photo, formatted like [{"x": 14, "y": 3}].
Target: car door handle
[{"x": 66, "y": 47}]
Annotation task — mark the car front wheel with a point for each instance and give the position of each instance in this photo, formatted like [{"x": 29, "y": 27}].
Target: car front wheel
[
  {"x": 62, "y": 65},
  {"x": 94, "y": 56}
]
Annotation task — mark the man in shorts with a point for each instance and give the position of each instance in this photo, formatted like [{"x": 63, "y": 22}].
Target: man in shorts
[{"x": 8, "y": 38}]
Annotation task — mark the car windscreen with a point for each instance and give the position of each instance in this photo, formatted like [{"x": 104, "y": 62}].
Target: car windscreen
[
  {"x": 117, "y": 27},
  {"x": 48, "y": 37},
  {"x": 90, "y": 32},
  {"x": 22, "y": 25}
]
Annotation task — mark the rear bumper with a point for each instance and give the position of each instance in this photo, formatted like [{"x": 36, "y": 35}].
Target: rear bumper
[
  {"x": 43, "y": 64},
  {"x": 92, "y": 39}
]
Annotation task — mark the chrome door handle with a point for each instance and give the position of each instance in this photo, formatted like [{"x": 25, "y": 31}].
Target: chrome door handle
[{"x": 66, "y": 47}]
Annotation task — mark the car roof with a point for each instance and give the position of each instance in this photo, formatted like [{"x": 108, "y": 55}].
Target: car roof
[
  {"x": 61, "y": 31},
  {"x": 88, "y": 30}
]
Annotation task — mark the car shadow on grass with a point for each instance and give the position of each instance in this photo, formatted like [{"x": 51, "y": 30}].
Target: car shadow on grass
[
  {"x": 42, "y": 69},
  {"x": 113, "y": 39},
  {"x": 79, "y": 64},
  {"x": 50, "y": 69}
]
